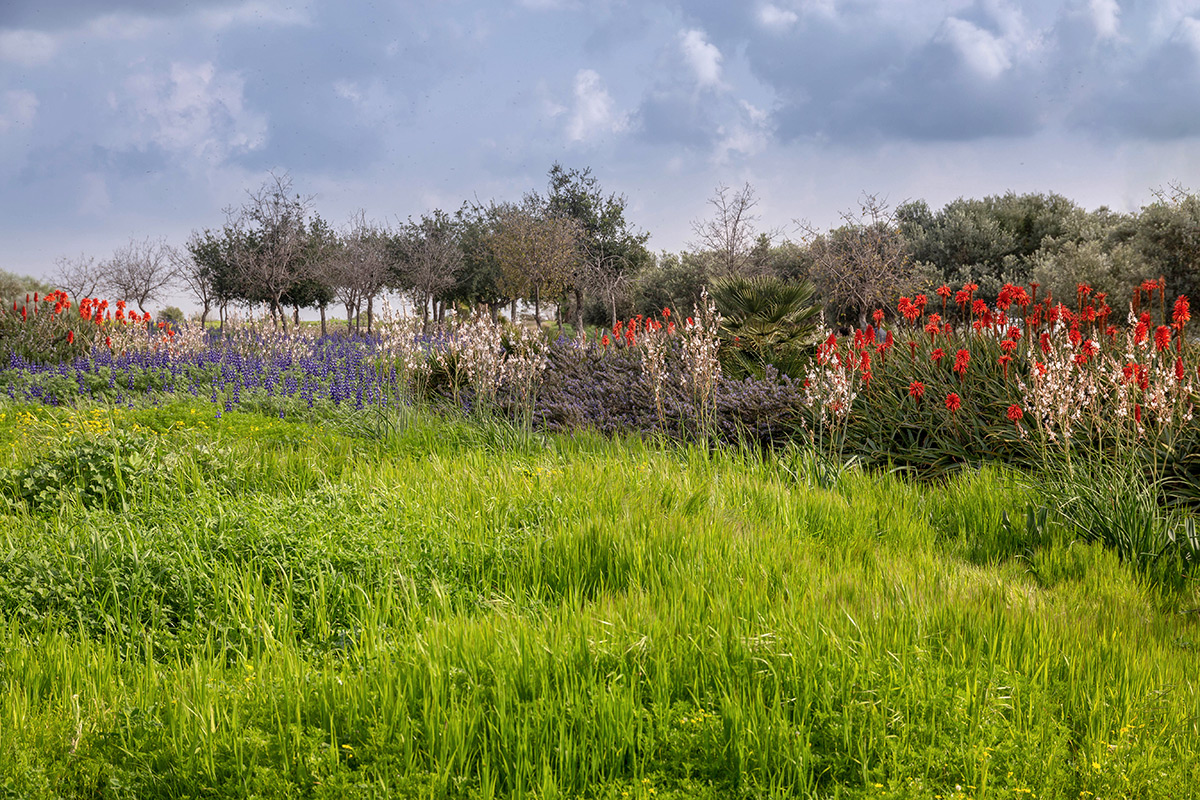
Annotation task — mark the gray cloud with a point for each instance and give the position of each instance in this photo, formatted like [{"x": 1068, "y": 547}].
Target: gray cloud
[{"x": 43, "y": 15}]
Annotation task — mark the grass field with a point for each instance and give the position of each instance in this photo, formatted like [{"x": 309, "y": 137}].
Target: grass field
[{"x": 205, "y": 605}]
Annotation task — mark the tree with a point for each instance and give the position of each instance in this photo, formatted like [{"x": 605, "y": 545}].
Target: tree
[
  {"x": 78, "y": 277},
  {"x": 139, "y": 271},
  {"x": 269, "y": 241},
  {"x": 1168, "y": 237},
  {"x": 730, "y": 234},
  {"x": 861, "y": 265},
  {"x": 609, "y": 248},
  {"x": 14, "y": 287},
  {"x": 427, "y": 259},
  {"x": 203, "y": 267},
  {"x": 478, "y": 279},
  {"x": 360, "y": 267},
  {"x": 536, "y": 253}
]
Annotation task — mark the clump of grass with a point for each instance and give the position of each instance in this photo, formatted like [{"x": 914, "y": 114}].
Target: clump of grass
[{"x": 452, "y": 610}]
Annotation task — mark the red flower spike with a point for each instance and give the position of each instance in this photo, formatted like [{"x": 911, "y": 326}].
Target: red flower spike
[
  {"x": 1178, "y": 369},
  {"x": 1014, "y": 414},
  {"x": 70, "y": 337},
  {"x": 937, "y": 355},
  {"x": 916, "y": 390},
  {"x": 953, "y": 402},
  {"x": 1162, "y": 338}
]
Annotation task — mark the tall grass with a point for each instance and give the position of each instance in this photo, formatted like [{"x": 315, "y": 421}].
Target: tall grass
[{"x": 448, "y": 609}]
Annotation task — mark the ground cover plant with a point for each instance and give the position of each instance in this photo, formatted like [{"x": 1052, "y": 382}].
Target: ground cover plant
[
  {"x": 249, "y": 606},
  {"x": 955, "y": 556}
]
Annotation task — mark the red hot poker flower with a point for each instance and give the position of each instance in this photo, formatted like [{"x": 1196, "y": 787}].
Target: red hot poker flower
[
  {"x": 1182, "y": 312},
  {"x": 937, "y": 355},
  {"x": 962, "y": 359},
  {"x": 953, "y": 402},
  {"x": 916, "y": 389},
  {"x": 1162, "y": 338},
  {"x": 1015, "y": 412}
]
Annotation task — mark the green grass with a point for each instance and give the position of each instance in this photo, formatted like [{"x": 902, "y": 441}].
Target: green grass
[{"x": 193, "y": 606}]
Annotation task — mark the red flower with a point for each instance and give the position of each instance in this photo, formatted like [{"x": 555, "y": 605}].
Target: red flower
[
  {"x": 604, "y": 340},
  {"x": 1137, "y": 412},
  {"x": 1141, "y": 332},
  {"x": 953, "y": 402},
  {"x": 1162, "y": 338},
  {"x": 916, "y": 389},
  {"x": 878, "y": 316},
  {"x": 937, "y": 355},
  {"x": 1179, "y": 369},
  {"x": 1004, "y": 361},
  {"x": 70, "y": 337},
  {"x": 944, "y": 292},
  {"x": 666, "y": 313},
  {"x": 962, "y": 359},
  {"x": 1015, "y": 413},
  {"x": 1182, "y": 312},
  {"x": 1008, "y": 345}
]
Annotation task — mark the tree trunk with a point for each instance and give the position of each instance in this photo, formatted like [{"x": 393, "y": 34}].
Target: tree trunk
[
  {"x": 323, "y": 331},
  {"x": 296, "y": 316},
  {"x": 537, "y": 306},
  {"x": 424, "y": 313},
  {"x": 578, "y": 312},
  {"x": 370, "y": 313},
  {"x": 613, "y": 298},
  {"x": 513, "y": 317},
  {"x": 349, "y": 318}
]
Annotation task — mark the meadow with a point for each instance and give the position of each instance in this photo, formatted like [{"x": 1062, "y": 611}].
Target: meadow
[{"x": 216, "y": 583}]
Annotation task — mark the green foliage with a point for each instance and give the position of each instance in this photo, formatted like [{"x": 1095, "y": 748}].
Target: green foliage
[
  {"x": 96, "y": 470},
  {"x": 765, "y": 322},
  {"x": 14, "y": 287},
  {"x": 450, "y": 611}
]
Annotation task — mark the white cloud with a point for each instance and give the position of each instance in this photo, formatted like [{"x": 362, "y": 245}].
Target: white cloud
[
  {"x": 747, "y": 136},
  {"x": 1189, "y": 32},
  {"x": 27, "y": 48},
  {"x": 702, "y": 56},
  {"x": 256, "y": 12},
  {"x": 593, "y": 112},
  {"x": 17, "y": 109},
  {"x": 985, "y": 53},
  {"x": 196, "y": 111},
  {"x": 1106, "y": 17},
  {"x": 775, "y": 18}
]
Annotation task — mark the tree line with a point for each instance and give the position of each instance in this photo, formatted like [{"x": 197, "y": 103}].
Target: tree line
[{"x": 570, "y": 254}]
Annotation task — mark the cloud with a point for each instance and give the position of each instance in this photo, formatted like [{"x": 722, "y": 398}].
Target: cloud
[
  {"x": 18, "y": 108},
  {"x": 702, "y": 56},
  {"x": 773, "y": 17},
  {"x": 194, "y": 111},
  {"x": 983, "y": 51},
  {"x": 1106, "y": 16},
  {"x": 43, "y": 15},
  {"x": 593, "y": 113},
  {"x": 27, "y": 48}
]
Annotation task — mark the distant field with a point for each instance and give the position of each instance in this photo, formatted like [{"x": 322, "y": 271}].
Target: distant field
[{"x": 207, "y": 606}]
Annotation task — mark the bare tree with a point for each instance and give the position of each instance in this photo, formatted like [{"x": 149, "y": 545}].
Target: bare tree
[
  {"x": 863, "y": 264},
  {"x": 269, "y": 238},
  {"x": 139, "y": 271},
  {"x": 602, "y": 273},
  {"x": 429, "y": 256},
  {"x": 730, "y": 234},
  {"x": 78, "y": 277},
  {"x": 359, "y": 267}
]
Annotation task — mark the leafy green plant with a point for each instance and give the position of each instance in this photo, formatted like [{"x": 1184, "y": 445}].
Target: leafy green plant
[{"x": 766, "y": 321}]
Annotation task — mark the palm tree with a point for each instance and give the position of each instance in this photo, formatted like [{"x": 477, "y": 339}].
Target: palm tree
[{"x": 766, "y": 321}]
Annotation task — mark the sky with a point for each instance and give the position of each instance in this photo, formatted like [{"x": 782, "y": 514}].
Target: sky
[{"x": 126, "y": 119}]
